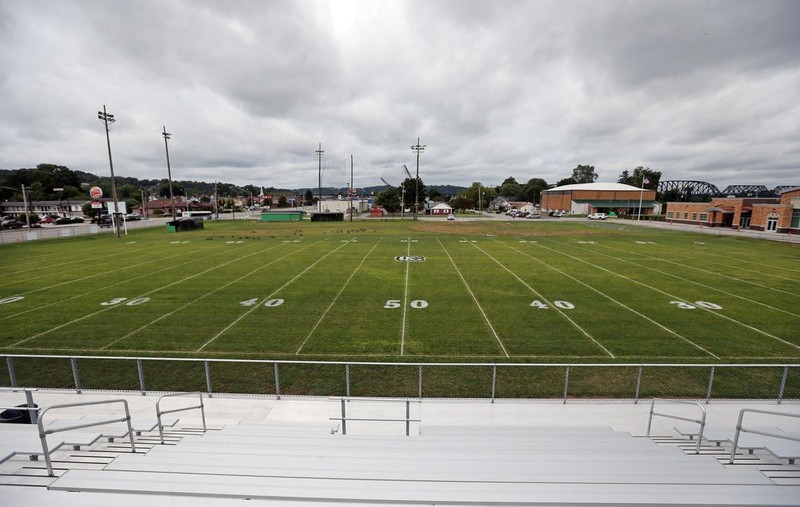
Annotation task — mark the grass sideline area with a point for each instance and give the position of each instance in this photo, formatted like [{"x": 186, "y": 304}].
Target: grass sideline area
[{"x": 482, "y": 291}]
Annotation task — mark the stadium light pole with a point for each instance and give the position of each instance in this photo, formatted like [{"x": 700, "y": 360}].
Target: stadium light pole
[
  {"x": 417, "y": 148},
  {"x": 169, "y": 175},
  {"x": 319, "y": 153},
  {"x": 106, "y": 119}
]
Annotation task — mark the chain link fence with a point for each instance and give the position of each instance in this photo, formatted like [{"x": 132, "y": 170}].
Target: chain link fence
[{"x": 404, "y": 380}]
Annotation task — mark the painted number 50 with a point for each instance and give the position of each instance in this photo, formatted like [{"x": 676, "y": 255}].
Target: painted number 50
[{"x": 395, "y": 303}]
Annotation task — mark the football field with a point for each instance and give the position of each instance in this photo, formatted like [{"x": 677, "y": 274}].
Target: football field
[{"x": 494, "y": 290}]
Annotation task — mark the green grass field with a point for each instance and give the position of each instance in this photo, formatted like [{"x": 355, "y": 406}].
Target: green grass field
[{"x": 527, "y": 291}]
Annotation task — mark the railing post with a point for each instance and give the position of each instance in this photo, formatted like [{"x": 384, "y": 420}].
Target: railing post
[
  {"x": 638, "y": 384},
  {"x": 566, "y": 384},
  {"x": 12, "y": 374},
  {"x": 420, "y": 381},
  {"x": 140, "y": 369},
  {"x": 408, "y": 417},
  {"x": 75, "y": 374},
  {"x": 710, "y": 384},
  {"x": 347, "y": 379},
  {"x": 344, "y": 418},
  {"x": 207, "y": 367},
  {"x": 494, "y": 381},
  {"x": 783, "y": 383},
  {"x": 277, "y": 381},
  {"x": 34, "y": 415}
]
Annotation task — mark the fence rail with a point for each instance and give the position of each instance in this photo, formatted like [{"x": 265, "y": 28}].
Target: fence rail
[{"x": 489, "y": 381}]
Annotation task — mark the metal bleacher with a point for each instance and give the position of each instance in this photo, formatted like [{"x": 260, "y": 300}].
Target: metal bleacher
[{"x": 277, "y": 459}]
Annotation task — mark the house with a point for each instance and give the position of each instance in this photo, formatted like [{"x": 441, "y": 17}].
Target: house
[{"x": 441, "y": 210}]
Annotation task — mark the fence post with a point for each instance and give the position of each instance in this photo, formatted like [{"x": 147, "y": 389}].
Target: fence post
[
  {"x": 207, "y": 367},
  {"x": 494, "y": 381},
  {"x": 140, "y": 369},
  {"x": 566, "y": 384},
  {"x": 12, "y": 374},
  {"x": 277, "y": 381},
  {"x": 420, "y": 381},
  {"x": 638, "y": 384},
  {"x": 76, "y": 377},
  {"x": 710, "y": 384},
  {"x": 347, "y": 378},
  {"x": 783, "y": 383},
  {"x": 29, "y": 401}
]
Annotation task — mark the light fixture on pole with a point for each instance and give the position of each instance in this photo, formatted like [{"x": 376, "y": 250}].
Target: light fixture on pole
[
  {"x": 106, "y": 119},
  {"x": 169, "y": 174},
  {"x": 417, "y": 148}
]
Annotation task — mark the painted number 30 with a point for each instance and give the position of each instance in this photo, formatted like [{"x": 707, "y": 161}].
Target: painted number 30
[
  {"x": 702, "y": 304},
  {"x": 132, "y": 302},
  {"x": 395, "y": 303}
]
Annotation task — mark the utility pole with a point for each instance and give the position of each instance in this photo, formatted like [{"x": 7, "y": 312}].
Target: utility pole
[
  {"x": 169, "y": 175},
  {"x": 216, "y": 201},
  {"x": 144, "y": 206},
  {"x": 25, "y": 206},
  {"x": 319, "y": 153},
  {"x": 480, "y": 202},
  {"x": 417, "y": 148},
  {"x": 106, "y": 119},
  {"x": 351, "y": 187}
]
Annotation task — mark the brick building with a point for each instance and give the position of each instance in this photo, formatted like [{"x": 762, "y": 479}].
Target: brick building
[
  {"x": 781, "y": 214},
  {"x": 586, "y": 198}
]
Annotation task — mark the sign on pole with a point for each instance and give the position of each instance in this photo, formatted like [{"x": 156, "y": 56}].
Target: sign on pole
[{"x": 95, "y": 192}]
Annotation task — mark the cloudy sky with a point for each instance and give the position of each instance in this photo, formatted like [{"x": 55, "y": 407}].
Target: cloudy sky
[{"x": 694, "y": 89}]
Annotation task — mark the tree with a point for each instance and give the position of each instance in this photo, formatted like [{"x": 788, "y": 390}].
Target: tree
[
  {"x": 389, "y": 199},
  {"x": 635, "y": 179},
  {"x": 435, "y": 195},
  {"x": 282, "y": 201},
  {"x": 477, "y": 189},
  {"x": 532, "y": 190},
  {"x": 462, "y": 203},
  {"x": 410, "y": 185},
  {"x": 566, "y": 181},
  {"x": 308, "y": 198},
  {"x": 584, "y": 174}
]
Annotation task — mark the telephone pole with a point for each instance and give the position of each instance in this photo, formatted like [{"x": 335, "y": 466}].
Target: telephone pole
[
  {"x": 109, "y": 118},
  {"x": 169, "y": 175},
  {"x": 417, "y": 148},
  {"x": 319, "y": 153}
]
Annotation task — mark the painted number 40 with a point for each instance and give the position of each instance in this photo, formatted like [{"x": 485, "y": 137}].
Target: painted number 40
[
  {"x": 395, "y": 303},
  {"x": 564, "y": 305}
]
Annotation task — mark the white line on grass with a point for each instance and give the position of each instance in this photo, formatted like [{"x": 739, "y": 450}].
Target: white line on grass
[
  {"x": 325, "y": 313},
  {"x": 672, "y": 296},
  {"x": 466, "y": 285},
  {"x": 668, "y": 330},
  {"x": 540, "y": 296},
  {"x": 140, "y": 295},
  {"x": 711, "y": 287},
  {"x": 707, "y": 271},
  {"x": 256, "y": 307},
  {"x": 405, "y": 302},
  {"x": 204, "y": 296}
]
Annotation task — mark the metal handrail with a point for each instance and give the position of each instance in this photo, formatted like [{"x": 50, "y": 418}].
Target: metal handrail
[
  {"x": 43, "y": 432},
  {"x": 740, "y": 429},
  {"x": 160, "y": 412},
  {"x": 344, "y": 417},
  {"x": 701, "y": 421}
]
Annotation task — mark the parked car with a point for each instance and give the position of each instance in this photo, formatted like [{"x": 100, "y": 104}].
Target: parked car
[
  {"x": 11, "y": 224},
  {"x": 133, "y": 216},
  {"x": 451, "y": 217},
  {"x": 48, "y": 220},
  {"x": 63, "y": 221},
  {"x": 597, "y": 216},
  {"x": 534, "y": 215}
]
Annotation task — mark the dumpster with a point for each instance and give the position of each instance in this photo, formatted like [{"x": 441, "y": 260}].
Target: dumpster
[{"x": 184, "y": 224}]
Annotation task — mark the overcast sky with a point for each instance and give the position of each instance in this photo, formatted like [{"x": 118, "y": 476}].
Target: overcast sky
[{"x": 694, "y": 89}]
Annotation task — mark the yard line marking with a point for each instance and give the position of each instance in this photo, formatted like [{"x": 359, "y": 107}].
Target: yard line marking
[
  {"x": 698, "y": 283},
  {"x": 256, "y": 307},
  {"x": 706, "y": 271},
  {"x": 337, "y": 297},
  {"x": 668, "y": 330},
  {"x": 540, "y": 296},
  {"x": 83, "y": 294},
  {"x": 672, "y": 296},
  {"x": 140, "y": 295},
  {"x": 202, "y": 296},
  {"x": 405, "y": 302},
  {"x": 474, "y": 298},
  {"x": 82, "y": 266},
  {"x": 739, "y": 268}
]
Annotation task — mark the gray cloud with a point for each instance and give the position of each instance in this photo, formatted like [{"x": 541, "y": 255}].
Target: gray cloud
[{"x": 696, "y": 89}]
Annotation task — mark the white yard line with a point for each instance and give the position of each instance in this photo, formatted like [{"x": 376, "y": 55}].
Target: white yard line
[
  {"x": 661, "y": 326},
  {"x": 475, "y": 299},
  {"x": 203, "y": 296},
  {"x": 297, "y": 353},
  {"x": 540, "y": 296},
  {"x": 405, "y": 302},
  {"x": 256, "y": 307},
  {"x": 672, "y": 296},
  {"x": 711, "y": 287},
  {"x": 139, "y": 296},
  {"x": 707, "y": 271}
]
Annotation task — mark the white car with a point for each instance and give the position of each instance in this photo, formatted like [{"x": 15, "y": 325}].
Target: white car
[
  {"x": 451, "y": 217},
  {"x": 597, "y": 216}
]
